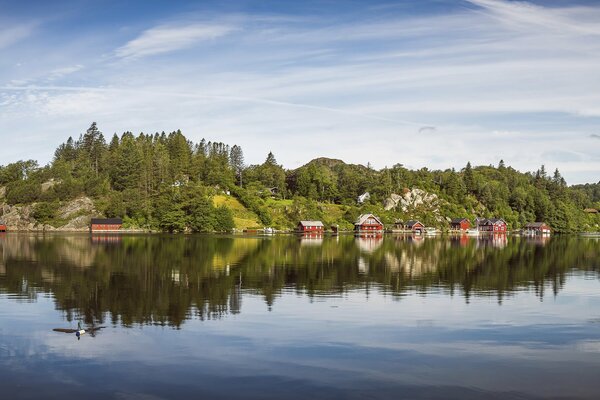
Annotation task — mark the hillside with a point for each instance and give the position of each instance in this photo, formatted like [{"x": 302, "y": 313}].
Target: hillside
[{"x": 166, "y": 182}]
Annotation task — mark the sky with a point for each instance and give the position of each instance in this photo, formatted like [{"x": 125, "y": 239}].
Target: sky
[{"x": 424, "y": 83}]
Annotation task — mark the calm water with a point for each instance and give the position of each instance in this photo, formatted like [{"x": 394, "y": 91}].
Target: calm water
[{"x": 285, "y": 317}]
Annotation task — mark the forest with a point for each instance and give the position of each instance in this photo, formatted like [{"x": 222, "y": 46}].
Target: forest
[{"x": 165, "y": 182}]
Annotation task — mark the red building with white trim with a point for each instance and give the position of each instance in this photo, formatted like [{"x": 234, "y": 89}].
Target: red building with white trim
[
  {"x": 415, "y": 226},
  {"x": 311, "y": 227},
  {"x": 2, "y": 227},
  {"x": 368, "y": 223}
]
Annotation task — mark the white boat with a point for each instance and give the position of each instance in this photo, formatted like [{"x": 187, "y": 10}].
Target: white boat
[
  {"x": 431, "y": 231},
  {"x": 472, "y": 232}
]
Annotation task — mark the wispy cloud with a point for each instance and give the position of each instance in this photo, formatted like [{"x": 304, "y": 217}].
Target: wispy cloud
[
  {"x": 10, "y": 35},
  {"x": 59, "y": 73},
  {"x": 164, "y": 39},
  {"x": 595, "y": 136},
  {"x": 563, "y": 20},
  {"x": 496, "y": 79}
]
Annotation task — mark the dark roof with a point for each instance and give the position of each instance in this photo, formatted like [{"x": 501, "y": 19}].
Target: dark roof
[
  {"x": 494, "y": 221},
  {"x": 412, "y": 223},
  {"x": 107, "y": 221},
  {"x": 459, "y": 220}
]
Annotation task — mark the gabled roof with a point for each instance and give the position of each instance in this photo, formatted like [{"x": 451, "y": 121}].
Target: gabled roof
[
  {"x": 107, "y": 221},
  {"x": 491, "y": 221},
  {"x": 459, "y": 220},
  {"x": 363, "y": 217},
  {"x": 413, "y": 222},
  {"x": 311, "y": 223}
]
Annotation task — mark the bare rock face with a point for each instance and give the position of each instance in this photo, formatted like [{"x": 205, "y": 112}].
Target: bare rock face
[
  {"x": 2, "y": 192},
  {"x": 77, "y": 223},
  {"x": 81, "y": 205},
  {"x": 19, "y": 218},
  {"x": 411, "y": 199}
]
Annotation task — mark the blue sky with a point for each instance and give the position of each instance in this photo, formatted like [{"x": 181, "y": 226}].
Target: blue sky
[{"x": 423, "y": 83}]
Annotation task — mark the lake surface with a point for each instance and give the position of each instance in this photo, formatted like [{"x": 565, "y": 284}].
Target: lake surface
[{"x": 300, "y": 318}]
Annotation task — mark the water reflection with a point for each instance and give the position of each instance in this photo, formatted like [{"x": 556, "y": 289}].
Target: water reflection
[{"x": 165, "y": 280}]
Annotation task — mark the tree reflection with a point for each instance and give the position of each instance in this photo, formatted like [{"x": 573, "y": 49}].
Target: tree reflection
[{"x": 165, "y": 280}]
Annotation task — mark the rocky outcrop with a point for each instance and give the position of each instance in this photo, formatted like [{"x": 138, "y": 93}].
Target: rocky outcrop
[
  {"x": 19, "y": 218},
  {"x": 79, "y": 206},
  {"x": 76, "y": 213},
  {"x": 412, "y": 200}
]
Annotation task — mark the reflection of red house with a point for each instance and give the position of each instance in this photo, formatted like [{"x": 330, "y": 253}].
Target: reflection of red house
[
  {"x": 460, "y": 224},
  {"x": 106, "y": 224},
  {"x": 415, "y": 226},
  {"x": 311, "y": 227},
  {"x": 2, "y": 227},
  {"x": 368, "y": 223},
  {"x": 496, "y": 225}
]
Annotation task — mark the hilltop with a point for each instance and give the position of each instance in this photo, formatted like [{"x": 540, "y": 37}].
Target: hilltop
[{"x": 166, "y": 182}]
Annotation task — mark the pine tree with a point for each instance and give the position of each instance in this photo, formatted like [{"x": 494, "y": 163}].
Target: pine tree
[
  {"x": 236, "y": 159},
  {"x": 468, "y": 178}
]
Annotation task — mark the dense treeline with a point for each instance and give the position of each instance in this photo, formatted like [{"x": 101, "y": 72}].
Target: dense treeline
[{"x": 164, "y": 181}]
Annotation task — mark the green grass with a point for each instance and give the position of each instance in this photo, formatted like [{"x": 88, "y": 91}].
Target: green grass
[{"x": 242, "y": 217}]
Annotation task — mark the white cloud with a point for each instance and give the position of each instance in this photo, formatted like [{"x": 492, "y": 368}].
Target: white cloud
[{"x": 164, "y": 39}]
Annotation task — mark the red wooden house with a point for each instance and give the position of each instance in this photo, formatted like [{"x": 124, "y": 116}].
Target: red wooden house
[
  {"x": 368, "y": 223},
  {"x": 496, "y": 225},
  {"x": 105, "y": 224},
  {"x": 311, "y": 227},
  {"x": 460, "y": 224},
  {"x": 415, "y": 226},
  {"x": 2, "y": 227}
]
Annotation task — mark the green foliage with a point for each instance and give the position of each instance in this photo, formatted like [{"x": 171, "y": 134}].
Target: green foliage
[
  {"x": 164, "y": 181},
  {"x": 45, "y": 212}
]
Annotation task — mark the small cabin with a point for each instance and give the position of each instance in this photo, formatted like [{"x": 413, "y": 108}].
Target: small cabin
[
  {"x": 495, "y": 225},
  {"x": 105, "y": 224},
  {"x": 591, "y": 211},
  {"x": 2, "y": 227},
  {"x": 415, "y": 226},
  {"x": 460, "y": 224},
  {"x": 537, "y": 228},
  {"x": 311, "y": 227},
  {"x": 368, "y": 223}
]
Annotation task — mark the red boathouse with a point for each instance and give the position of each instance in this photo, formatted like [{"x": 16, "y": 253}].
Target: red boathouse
[
  {"x": 368, "y": 223},
  {"x": 415, "y": 226},
  {"x": 460, "y": 224},
  {"x": 311, "y": 227},
  {"x": 2, "y": 227},
  {"x": 106, "y": 224}
]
